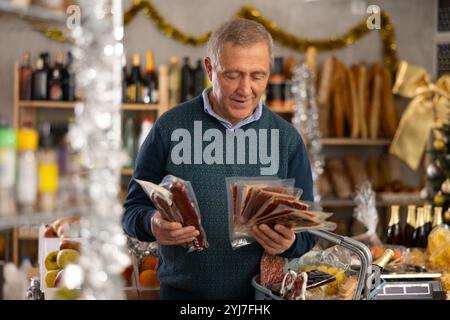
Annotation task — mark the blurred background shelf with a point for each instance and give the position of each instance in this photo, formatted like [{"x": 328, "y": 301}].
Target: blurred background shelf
[
  {"x": 354, "y": 142},
  {"x": 384, "y": 199},
  {"x": 127, "y": 171},
  {"x": 71, "y": 105},
  {"x": 32, "y": 12},
  {"x": 37, "y": 217}
]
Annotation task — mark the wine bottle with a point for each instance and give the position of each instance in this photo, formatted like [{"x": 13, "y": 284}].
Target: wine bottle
[
  {"x": 409, "y": 227},
  {"x": 39, "y": 81},
  {"x": 199, "y": 78},
  {"x": 68, "y": 79},
  {"x": 55, "y": 82},
  {"x": 394, "y": 234},
  {"x": 438, "y": 221},
  {"x": 275, "y": 88},
  {"x": 428, "y": 218},
  {"x": 150, "y": 89},
  {"x": 174, "y": 81},
  {"x": 134, "y": 82},
  {"x": 419, "y": 235},
  {"x": 25, "y": 73},
  {"x": 186, "y": 80}
]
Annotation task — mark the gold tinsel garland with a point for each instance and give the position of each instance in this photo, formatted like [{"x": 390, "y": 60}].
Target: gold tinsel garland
[{"x": 283, "y": 37}]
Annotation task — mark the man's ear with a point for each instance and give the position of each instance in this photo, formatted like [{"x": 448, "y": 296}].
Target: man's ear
[{"x": 208, "y": 67}]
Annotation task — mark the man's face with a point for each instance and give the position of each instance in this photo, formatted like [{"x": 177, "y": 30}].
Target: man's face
[{"x": 239, "y": 80}]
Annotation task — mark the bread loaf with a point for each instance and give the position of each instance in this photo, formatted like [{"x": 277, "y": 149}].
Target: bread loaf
[
  {"x": 354, "y": 129},
  {"x": 373, "y": 172},
  {"x": 339, "y": 179},
  {"x": 324, "y": 186},
  {"x": 361, "y": 71},
  {"x": 375, "y": 102},
  {"x": 389, "y": 120},
  {"x": 356, "y": 170},
  {"x": 323, "y": 96},
  {"x": 338, "y": 112}
]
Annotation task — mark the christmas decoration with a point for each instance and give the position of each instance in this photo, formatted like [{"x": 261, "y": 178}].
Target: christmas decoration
[
  {"x": 428, "y": 109},
  {"x": 96, "y": 135},
  {"x": 306, "y": 119}
]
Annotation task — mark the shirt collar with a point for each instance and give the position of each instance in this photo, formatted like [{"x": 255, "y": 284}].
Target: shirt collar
[{"x": 255, "y": 116}]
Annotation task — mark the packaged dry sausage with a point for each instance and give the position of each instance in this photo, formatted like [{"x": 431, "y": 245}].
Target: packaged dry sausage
[
  {"x": 175, "y": 200},
  {"x": 265, "y": 200}
]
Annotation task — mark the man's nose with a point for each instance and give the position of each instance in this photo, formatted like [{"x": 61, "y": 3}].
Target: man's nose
[{"x": 245, "y": 87}]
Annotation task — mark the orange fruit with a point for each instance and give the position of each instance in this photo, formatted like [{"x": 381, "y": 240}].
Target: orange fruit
[
  {"x": 148, "y": 278},
  {"x": 149, "y": 263}
]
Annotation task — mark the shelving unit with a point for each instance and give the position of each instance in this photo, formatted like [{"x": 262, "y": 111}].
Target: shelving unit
[
  {"x": 32, "y": 12},
  {"x": 28, "y": 110}
]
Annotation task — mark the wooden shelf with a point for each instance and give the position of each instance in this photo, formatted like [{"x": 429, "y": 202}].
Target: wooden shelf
[
  {"x": 127, "y": 171},
  {"x": 30, "y": 218},
  {"x": 282, "y": 110},
  {"x": 32, "y": 12},
  {"x": 381, "y": 201},
  {"x": 354, "y": 142},
  {"x": 71, "y": 105}
]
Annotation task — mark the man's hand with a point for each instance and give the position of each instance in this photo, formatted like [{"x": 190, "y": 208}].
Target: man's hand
[
  {"x": 274, "y": 241},
  {"x": 171, "y": 233}
]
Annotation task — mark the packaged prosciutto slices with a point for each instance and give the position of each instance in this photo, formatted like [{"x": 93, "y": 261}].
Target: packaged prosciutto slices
[
  {"x": 175, "y": 199},
  {"x": 265, "y": 200}
]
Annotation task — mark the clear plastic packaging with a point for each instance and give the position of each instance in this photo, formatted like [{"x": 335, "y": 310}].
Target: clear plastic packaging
[
  {"x": 175, "y": 199},
  {"x": 366, "y": 213},
  {"x": 257, "y": 200}
]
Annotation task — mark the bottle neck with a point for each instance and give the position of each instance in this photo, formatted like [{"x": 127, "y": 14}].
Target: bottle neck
[
  {"x": 411, "y": 218},
  {"x": 394, "y": 216},
  {"x": 437, "y": 217},
  {"x": 420, "y": 219}
]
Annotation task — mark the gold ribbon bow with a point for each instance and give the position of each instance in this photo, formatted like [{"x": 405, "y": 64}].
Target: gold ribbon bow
[{"x": 429, "y": 108}]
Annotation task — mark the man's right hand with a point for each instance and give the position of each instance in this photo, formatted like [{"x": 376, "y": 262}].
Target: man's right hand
[{"x": 171, "y": 233}]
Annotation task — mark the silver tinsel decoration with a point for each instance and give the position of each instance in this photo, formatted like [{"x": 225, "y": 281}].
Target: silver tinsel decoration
[
  {"x": 96, "y": 134},
  {"x": 306, "y": 119}
]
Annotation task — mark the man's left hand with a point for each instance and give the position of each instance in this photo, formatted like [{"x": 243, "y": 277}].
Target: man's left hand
[{"x": 274, "y": 241}]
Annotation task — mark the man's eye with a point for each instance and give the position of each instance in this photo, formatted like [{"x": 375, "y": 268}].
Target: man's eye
[
  {"x": 258, "y": 76},
  {"x": 232, "y": 75}
]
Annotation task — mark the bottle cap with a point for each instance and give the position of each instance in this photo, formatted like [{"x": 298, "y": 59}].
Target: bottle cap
[
  {"x": 7, "y": 138},
  {"x": 27, "y": 139}
]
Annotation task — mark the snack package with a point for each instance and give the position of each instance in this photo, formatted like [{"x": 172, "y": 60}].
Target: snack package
[
  {"x": 291, "y": 285},
  {"x": 336, "y": 261},
  {"x": 257, "y": 200},
  {"x": 175, "y": 199}
]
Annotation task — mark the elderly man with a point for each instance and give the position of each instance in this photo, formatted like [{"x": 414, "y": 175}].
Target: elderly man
[{"x": 239, "y": 56}]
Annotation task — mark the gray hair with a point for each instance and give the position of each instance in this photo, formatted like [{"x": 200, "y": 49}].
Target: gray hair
[{"x": 241, "y": 32}]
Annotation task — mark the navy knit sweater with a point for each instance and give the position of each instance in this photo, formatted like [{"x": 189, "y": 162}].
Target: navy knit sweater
[{"x": 218, "y": 272}]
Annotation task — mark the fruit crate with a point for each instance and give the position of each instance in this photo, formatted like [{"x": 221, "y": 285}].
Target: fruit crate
[
  {"x": 145, "y": 292},
  {"x": 47, "y": 245}
]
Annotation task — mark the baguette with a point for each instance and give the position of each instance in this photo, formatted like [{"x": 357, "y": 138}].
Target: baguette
[
  {"x": 338, "y": 101},
  {"x": 361, "y": 89},
  {"x": 354, "y": 129},
  {"x": 311, "y": 59},
  {"x": 375, "y": 103},
  {"x": 323, "y": 96},
  {"x": 389, "y": 120}
]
